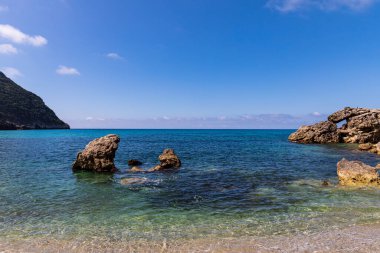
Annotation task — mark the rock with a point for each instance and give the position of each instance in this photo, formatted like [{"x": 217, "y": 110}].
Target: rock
[
  {"x": 98, "y": 155},
  {"x": 325, "y": 183},
  {"x": 136, "y": 169},
  {"x": 133, "y": 181},
  {"x": 134, "y": 162},
  {"x": 378, "y": 166},
  {"x": 346, "y": 113},
  {"x": 323, "y": 132},
  {"x": 356, "y": 173},
  {"x": 365, "y": 146},
  {"x": 156, "y": 168},
  {"x": 378, "y": 148},
  {"x": 168, "y": 160},
  {"x": 362, "y": 126},
  {"x": 22, "y": 109}
]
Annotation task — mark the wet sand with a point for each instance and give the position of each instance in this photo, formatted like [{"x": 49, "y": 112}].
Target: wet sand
[{"x": 352, "y": 239}]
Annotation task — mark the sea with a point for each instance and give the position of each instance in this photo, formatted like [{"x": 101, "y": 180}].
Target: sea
[{"x": 232, "y": 183}]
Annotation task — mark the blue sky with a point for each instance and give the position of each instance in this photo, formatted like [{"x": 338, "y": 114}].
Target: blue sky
[{"x": 193, "y": 63}]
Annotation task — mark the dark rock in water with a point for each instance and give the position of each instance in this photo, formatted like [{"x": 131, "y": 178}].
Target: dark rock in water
[
  {"x": 356, "y": 173},
  {"x": 168, "y": 160},
  {"x": 134, "y": 162},
  {"x": 323, "y": 132},
  {"x": 98, "y": 155},
  {"x": 21, "y": 109},
  {"x": 362, "y": 126},
  {"x": 325, "y": 183}
]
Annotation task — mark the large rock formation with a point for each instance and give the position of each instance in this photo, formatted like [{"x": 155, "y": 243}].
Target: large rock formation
[
  {"x": 21, "y": 109},
  {"x": 98, "y": 155},
  {"x": 356, "y": 173},
  {"x": 168, "y": 160},
  {"x": 361, "y": 126},
  {"x": 323, "y": 132}
]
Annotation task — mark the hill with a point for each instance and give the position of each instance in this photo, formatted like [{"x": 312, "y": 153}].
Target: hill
[{"x": 22, "y": 109}]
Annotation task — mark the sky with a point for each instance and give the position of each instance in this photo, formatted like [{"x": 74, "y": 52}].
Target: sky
[{"x": 193, "y": 63}]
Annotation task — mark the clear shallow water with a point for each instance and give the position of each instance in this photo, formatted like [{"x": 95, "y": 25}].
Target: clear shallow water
[{"x": 232, "y": 183}]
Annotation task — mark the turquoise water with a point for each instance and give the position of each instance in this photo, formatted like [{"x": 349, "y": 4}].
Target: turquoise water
[{"x": 232, "y": 183}]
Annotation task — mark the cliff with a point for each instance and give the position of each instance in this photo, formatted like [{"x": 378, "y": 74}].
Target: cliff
[{"x": 21, "y": 109}]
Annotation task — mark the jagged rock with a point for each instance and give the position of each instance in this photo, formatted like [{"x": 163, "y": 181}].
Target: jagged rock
[
  {"x": 356, "y": 173},
  {"x": 21, "y": 109},
  {"x": 323, "y": 132},
  {"x": 346, "y": 113},
  {"x": 168, "y": 160},
  {"x": 362, "y": 126},
  {"x": 98, "y": 155},
  {"x": 136, "y": 169},
  {"x": 133, "y": 181},
  {"x": 134, "y": 162}
]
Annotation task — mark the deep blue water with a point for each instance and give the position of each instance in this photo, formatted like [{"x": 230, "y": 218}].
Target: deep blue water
[{"x": 232, "y": 183}]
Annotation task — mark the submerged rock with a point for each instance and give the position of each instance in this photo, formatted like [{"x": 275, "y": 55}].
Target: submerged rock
[
  {"x": 356, "y": 173},
  {"x": 168, "y": 160},
  {"x": 133, "y": 181},
  {"x": 98, "y": 155},
  {"x": 136, "y": 169},
  {"x": 134, "y": 162},
  {"x": 323, "y": 132}
]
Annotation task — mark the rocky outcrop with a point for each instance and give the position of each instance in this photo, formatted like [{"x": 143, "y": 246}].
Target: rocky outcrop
[
  {"x": 356, "y": 173},
  {"x": 323, "y": 132},
  {"x": 362, "y": 126},
  {"x": 98, "y": 155},
  {"x": 21, "y": 109},
  {"x": 168, "y": 160},
  {"x": 373, "y": 148}
]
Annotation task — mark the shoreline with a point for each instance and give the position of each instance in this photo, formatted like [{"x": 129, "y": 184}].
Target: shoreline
[{"x": 357, "y": 238}]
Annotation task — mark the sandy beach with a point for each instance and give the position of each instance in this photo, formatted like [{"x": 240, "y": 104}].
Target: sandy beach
[{"x": 362, "y": 238}]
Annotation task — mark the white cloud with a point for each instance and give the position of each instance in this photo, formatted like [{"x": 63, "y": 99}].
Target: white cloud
[
  {"x": 3, "y": 8},
  {"x": 11, "y": 72},
  {"x": 114, "y": 56},
  {"x": 63, "y": 70},
  {"x": 287, "y": 6},
  {"x": 15, "y": 35},
  {"x": 8, "y": 49},
  {"x": 94, "y": 119}
]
